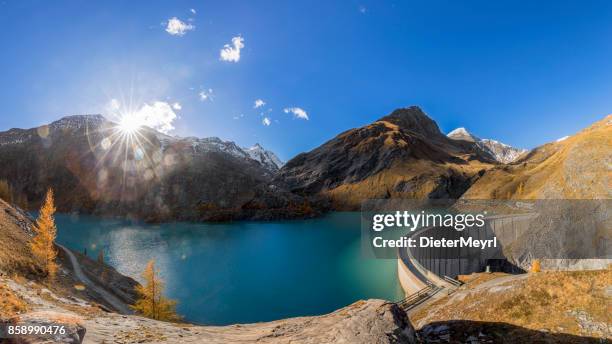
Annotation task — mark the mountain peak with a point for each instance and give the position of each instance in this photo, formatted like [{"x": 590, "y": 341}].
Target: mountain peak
[
  {"x": 500, "y": 151},
  {"x": 77, "y": 121},
  {"x": 459, "y": 131},
  {"x": 267, "y": 158},
  {"x": 414, "y": 119},
  {"x": 86, "y": 117},
  {"x": 462, "y": 134}
]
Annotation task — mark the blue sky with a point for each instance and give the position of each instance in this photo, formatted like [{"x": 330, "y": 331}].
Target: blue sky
[{"x": 521, "y": 72}]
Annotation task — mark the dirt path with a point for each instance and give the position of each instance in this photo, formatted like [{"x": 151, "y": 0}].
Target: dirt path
[{"x": 108, "y": 297}]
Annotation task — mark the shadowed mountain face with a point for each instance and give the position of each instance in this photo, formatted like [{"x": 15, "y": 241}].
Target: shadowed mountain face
[
  {"x": 94, "y": 168},
  {"x": 402, "y": 155}
]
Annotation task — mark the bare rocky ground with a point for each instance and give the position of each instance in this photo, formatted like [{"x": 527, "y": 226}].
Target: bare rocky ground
[{"x": 372, "y": 322}]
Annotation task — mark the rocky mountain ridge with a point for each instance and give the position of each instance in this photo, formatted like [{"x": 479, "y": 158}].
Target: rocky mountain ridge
[
  {"x": 265, "y": 157},
  {"x": 96, "y": 168},
  {"x": 502, "y": 152},
  {"x": 401, "y": 155},
  {"x": 162, "y": 177}
]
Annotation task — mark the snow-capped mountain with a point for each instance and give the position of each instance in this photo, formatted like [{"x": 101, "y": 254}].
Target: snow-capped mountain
[
  {"x": 77, "y": 121},
  {"x": 17, "y": 136},
  {"x": 462, "y": 134},
  {"x": 500, "y": 151},
  {"x": 146, "y": 175},
  {"x": 267, "y": 158}
]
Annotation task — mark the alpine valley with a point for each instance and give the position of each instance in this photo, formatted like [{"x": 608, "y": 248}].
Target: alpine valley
[{"x": 157, "y": 177}]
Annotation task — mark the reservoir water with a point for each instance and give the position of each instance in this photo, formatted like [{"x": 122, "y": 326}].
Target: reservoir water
[{"x": 243, "y": 272}]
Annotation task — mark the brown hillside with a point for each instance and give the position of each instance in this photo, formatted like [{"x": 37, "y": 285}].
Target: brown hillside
[
  {"x": 402, "y": 155},
  {"x": 579, "y": 167},
  {"x": 550, "y": 303},
  {"x": 15, "y": 255}
]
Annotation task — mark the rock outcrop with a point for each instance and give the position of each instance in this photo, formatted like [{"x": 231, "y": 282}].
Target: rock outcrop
[{"x": 364, "y": 322}]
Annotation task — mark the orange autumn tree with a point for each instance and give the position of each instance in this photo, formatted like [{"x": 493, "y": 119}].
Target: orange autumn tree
[
  {"x": 151, "y": 302},
  {"x": 42, "y": 245}
]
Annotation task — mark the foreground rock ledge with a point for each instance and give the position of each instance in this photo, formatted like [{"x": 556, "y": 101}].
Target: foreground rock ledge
[{"x": 367, "y": 322}]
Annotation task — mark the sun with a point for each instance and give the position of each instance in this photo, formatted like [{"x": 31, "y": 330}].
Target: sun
[{"x": 129, "y": 124}]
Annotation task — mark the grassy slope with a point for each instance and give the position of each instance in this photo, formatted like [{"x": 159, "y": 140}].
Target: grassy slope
[
  {"x": 552, "y": 301},
  {"x": 578, "y": 167}
]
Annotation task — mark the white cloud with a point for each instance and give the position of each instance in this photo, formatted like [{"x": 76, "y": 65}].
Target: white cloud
[
  {"x": 177, "y": 106},
  {"x": 206, "y": 95},
  {"x": 176, "y": 27},
  {"x": 158, "y": 116},
  {"x": 297, "y": 112},
  {"x": 266, "y": 121},
  {"x": 193, "y": 11},
  {"x": 258, "y": 103},
  {"x": 362, "y": 9},
  {"x": 231, "y": 53}
]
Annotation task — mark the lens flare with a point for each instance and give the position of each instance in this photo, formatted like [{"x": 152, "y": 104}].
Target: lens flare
[{"x": 130, "y": 123}]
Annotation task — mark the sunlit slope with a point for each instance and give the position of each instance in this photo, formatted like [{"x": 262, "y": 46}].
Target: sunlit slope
[
  {"x": 15, "y": 254},
  {"x": 578, "y": 167},
  {"x": 545, "y": 307},
  {"x": 402, "y": 155}
]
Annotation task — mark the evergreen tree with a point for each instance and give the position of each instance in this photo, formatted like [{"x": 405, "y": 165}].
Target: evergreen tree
[
  {"x": 151, "y": 302},
  {"x": 42, "y": 245}
]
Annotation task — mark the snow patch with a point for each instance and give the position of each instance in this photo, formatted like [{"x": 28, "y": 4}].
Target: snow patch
[
  {"x": 500, "y": 151},
  {"x": 265, "y": 157},
  {"x": 562, "y": 138}
]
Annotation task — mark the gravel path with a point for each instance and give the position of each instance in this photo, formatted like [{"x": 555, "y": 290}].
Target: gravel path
[{"x": 108, "y": 297}]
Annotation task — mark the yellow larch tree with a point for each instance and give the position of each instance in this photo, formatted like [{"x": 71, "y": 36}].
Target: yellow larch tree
[
  {"x": 151, "y": 302},
  {"x": 42, "y": 245}
]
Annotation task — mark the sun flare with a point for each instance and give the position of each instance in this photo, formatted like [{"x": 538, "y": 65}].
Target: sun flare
[{"x": 129, "y": 124}]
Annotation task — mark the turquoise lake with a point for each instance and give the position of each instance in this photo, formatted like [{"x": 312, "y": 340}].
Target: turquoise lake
[{"x": 243, "y": 272}]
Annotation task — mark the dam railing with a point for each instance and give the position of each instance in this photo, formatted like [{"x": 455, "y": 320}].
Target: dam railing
[{"x": 415, "y": 299}]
